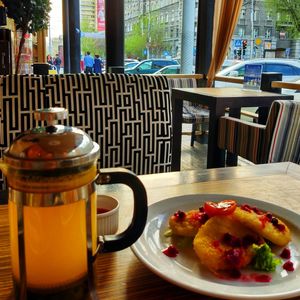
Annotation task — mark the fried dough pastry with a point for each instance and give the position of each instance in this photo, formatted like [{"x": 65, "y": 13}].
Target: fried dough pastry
[
  {"x": 187, "y": 223},
  {"x": 222, "y": 245},
  {"x": 265, "y": 224}
]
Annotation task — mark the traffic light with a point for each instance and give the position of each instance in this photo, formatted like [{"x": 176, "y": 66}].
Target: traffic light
[{"x": 244, "y": 46}]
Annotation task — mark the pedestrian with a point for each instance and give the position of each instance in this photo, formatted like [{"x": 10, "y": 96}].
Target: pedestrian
[
  {"x": 49, "y": 59},
  {"x": 98, "y": 64},
  {"x": 81, "y": 64},
  {"x": 88, "y": 63},
  {"x": 57, "y": 63}
]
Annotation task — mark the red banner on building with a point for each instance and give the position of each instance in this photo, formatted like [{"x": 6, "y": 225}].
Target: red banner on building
[{"x": 100, "y": 15}]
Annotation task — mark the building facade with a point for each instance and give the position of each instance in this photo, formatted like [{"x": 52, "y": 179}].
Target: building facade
[{"x": 255, "y": 35}]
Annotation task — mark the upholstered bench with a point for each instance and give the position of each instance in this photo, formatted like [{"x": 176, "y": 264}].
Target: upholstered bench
[
  {"x": 20, "y": 95},
  {"x": 129, "y": 116}
]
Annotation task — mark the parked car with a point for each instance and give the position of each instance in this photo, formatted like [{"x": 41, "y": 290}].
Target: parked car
[
  {"x": 127, "y": 60},
  {"x": 289, "y": 68},
  {"x": 171, "y": 69},
  {"x": 150, "y": 66},
  {"x": 229, "y": 62},
  {"x": 131, "y": 64}
]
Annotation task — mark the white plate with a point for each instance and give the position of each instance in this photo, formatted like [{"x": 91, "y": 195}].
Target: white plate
[{"x": 185, "y": 271}]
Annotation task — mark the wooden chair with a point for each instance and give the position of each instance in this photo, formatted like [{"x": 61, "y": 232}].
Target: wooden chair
[{"x": 277, "y": 141}]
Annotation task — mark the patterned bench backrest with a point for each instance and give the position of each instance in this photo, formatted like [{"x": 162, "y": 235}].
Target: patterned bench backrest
[
  {"x": 129, "y": 116},
  {"x": 285, "y": 139},
  {"x": 20, "y": 95}
]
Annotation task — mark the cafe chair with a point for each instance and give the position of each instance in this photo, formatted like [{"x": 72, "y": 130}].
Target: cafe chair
[
  {"x": 192, "y": 113},
  {"x": 277, "y": 141}
]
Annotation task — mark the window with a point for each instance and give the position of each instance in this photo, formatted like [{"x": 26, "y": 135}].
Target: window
[
  {"x": 146, "y": 65},
  {"x": 286, "y": 70},
  {"x": 173, "y": 16},
  {"x": 243, "y": 14},
  {"x": 255, "y": 17},
  {"x": 278, "y": 16},
  {"x": 241, "y": 31},
  {"x": 269, "y": 16},
  {"x": 268, "y": 33}
]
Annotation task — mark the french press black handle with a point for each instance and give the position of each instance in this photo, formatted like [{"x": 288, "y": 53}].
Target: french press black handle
[{"x": 136, "y": 227}]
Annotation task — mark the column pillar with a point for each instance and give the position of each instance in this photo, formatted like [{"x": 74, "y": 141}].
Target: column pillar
[
  {"x": 66, "y": 36},
  {"x": 74, "y": 35},
  {"x": 187, "y": 37},
  {"x": 114, "y": 29},
  {"x": 204, "y": 35}
]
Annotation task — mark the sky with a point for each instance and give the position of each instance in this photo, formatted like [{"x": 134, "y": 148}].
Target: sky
[{"x": 56, "y": 18}]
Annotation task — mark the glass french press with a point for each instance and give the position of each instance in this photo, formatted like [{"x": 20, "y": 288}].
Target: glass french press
[{"x": 52, "y": 174}]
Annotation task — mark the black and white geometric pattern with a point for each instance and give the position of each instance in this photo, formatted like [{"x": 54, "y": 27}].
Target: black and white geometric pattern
[
  {"x": 129, "y": 116},
  {"x": 20, "y": 95}
]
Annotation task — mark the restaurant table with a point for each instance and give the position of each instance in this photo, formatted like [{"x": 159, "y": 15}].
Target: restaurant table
[
  {"x": 217, "y": 100},
  {"x": 121, "y": 275}
]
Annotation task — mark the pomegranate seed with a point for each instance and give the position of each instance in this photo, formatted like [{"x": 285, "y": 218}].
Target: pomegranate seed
[
  {"x": 286, "y": 253},
  {"x": 289, "y": 266}
]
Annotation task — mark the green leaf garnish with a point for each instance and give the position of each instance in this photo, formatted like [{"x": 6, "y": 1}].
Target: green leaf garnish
[{"x": 264, "y": 259}]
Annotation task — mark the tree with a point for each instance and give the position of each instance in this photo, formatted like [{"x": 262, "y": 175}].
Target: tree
[
  {"x": 146, "y": 33},
  {"x": 289, "y": 15},
  {"x": 94, "y": 45},
  {"x": 30, "y": 16},
  {"x": 135, "y": 43}
]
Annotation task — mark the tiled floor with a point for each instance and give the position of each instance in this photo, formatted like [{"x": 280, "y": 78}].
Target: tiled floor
[{"x": 195, "y": 157}]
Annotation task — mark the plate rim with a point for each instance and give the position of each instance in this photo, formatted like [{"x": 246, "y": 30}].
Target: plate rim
[{"x": 160, "y": 273}]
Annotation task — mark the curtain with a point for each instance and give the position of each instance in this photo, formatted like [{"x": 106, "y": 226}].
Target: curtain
[{"x": 226, "y": 15}]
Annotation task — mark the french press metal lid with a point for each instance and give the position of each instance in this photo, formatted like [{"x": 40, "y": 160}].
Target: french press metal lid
[
  {"x": 52, "y": 151},
  {"x": 53, "y": 146}
]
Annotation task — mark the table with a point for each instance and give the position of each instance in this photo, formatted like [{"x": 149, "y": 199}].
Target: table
[
  {"x": 217, "y": 100},
  {"x": 121, "y": 275}
]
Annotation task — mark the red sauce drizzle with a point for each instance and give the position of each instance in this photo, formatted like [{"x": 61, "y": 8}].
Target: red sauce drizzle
[
  {"x": 264, "y": 220},
  {"x": 255, "y": 277},
  {"x": 246, "y": 207},
  {"x": 262, "y": 278},
  {"x": 264, "y": 217},
  {"x": 216, "y": 243},
  {"x": 235, "y": 274},
  {"x": 171, "y": 251}
]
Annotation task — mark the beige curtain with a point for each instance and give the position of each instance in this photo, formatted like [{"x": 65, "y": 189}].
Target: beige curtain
[{"x": 226, "y": 15}]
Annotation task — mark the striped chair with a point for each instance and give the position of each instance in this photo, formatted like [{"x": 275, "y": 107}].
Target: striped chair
[
  {"x": 277, "y": 141},
  {"x": 192, "y": 113}
]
